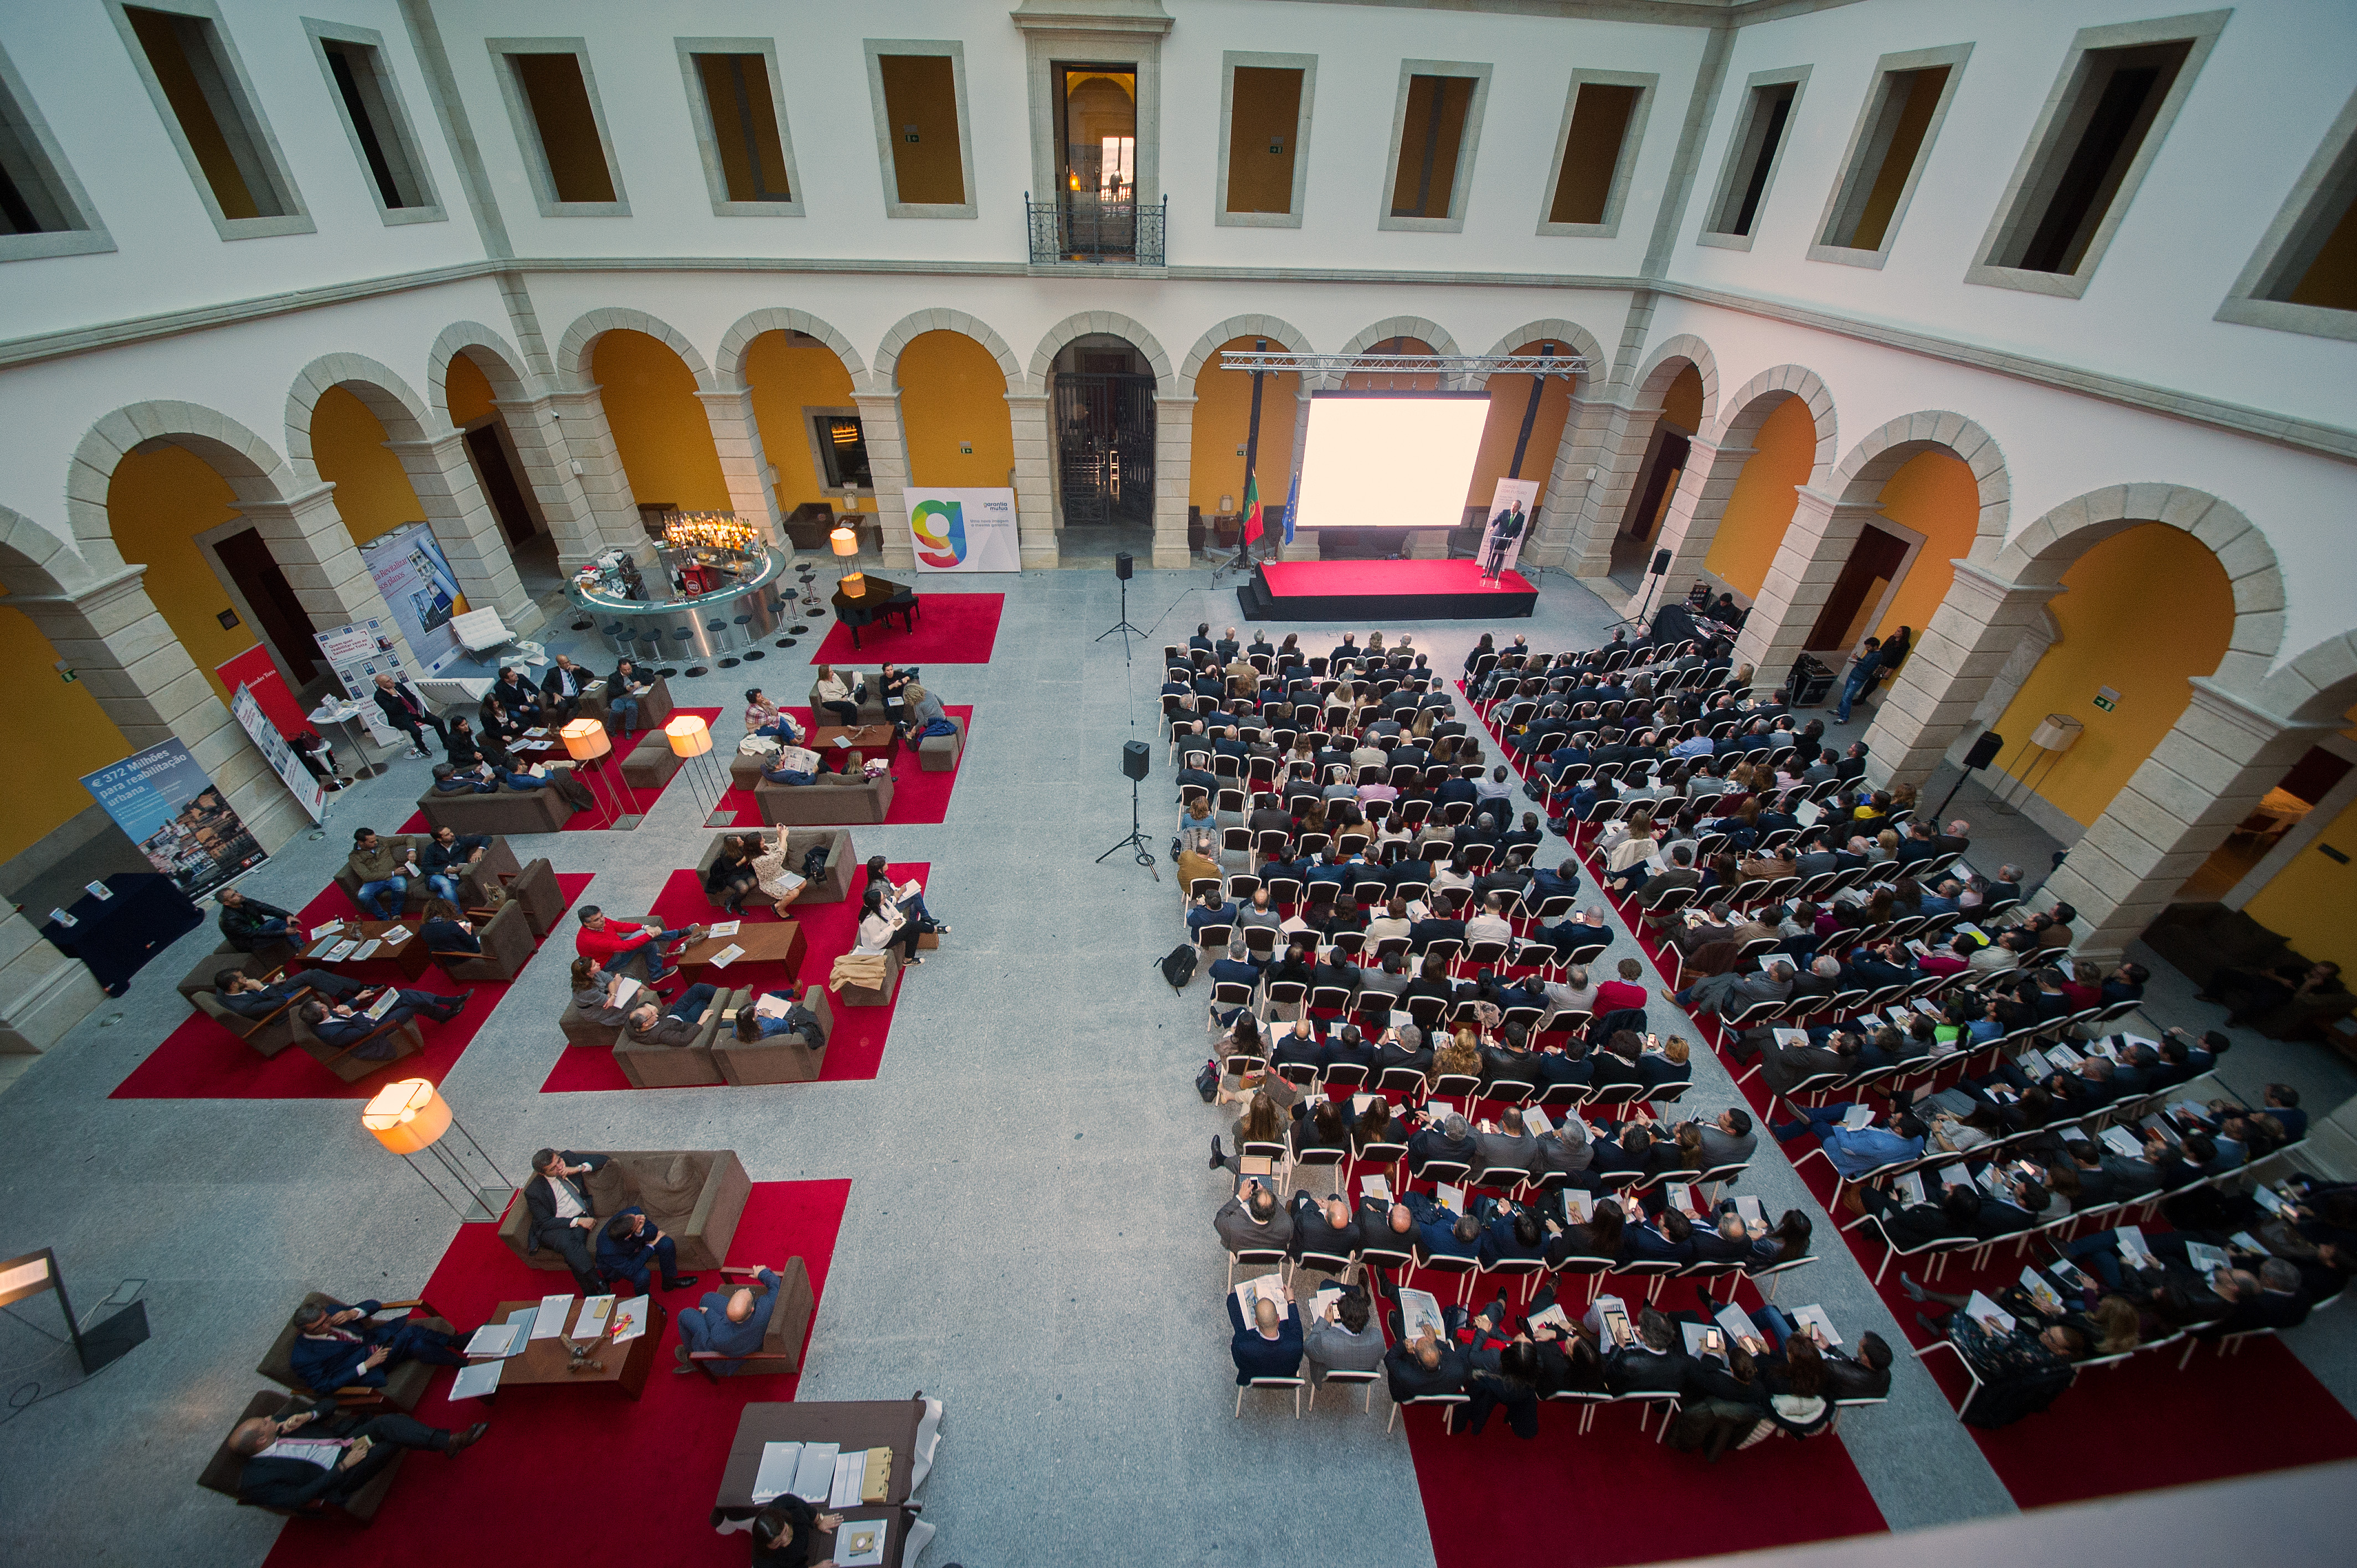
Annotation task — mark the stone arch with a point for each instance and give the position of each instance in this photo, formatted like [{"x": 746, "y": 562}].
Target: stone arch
[
  {"x": 2041, "y": 553},
  {"x": 1282, "y": 333},
  {"x": 1662, "y": 368},
  {"x": 1414, "y": 326},
  {"x": 33, "y": 559},
  {"x": 379, "y": 388},
  {"x": 910, "y": 327},
  {"x": 730, "y": 366},
  {"x": 1758, "y": 398},
  {"x": 500, "y": 364},
  {"x": 2319, "y": 685},
  {"x": 253, "y": 470},
  {"x": 1570, "y": 334},
  {"x": 580, "y": 340},
  {"x": 1882, "y": 453},
  {"x": 1112, "y": 324}
]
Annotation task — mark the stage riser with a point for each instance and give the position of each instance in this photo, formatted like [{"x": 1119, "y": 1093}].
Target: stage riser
[{"x": 1258, "y": 600}]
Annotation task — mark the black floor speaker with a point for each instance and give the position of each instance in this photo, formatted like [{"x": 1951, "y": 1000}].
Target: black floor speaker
[{"x": 1134, "y": 759}]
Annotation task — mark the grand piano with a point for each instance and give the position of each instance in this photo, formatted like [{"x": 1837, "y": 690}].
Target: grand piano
[{"x": 868, "y": 598}]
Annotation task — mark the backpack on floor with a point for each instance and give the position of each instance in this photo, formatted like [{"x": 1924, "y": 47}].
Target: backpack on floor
[
  {"x": 1207, "y": 1082},
  {"x": 1178, "y": 965}
]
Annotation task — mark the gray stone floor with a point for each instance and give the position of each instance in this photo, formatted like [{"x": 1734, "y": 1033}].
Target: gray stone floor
[{"x": 1028, "y": 1233}]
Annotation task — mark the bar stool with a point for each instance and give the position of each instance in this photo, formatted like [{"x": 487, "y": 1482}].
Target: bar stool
[
  {"x": 621, "y": 639},
  {"x": 723, "y": 642},
  {"x": 647, "y": 640},
  {"x": 745, "y": 640},
  {"x": 683, "y": 646},
  {"x": 778, "y": 609}
]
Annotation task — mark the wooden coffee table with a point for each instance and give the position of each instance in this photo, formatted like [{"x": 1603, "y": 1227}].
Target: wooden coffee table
[
  {"x": 877, "y": 740},
  {"x": 547, "y": 1362},
  {"x": 764, "y": 941},
  {"x": 866, "y": 1423},
  {"x": 410, "y": 957}
]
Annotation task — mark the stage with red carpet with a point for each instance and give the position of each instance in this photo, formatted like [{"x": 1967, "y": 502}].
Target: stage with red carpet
[
  {"x": 603, "y": 775},
  {"x": 201, "y": 1061},
  {"x": 1382, "y": 590},
  {"x": 950, "y": 628},
  {"x": 854, "y": 1047},
  {"x": 917, "y": 796},
  {"x": 594, "y": 1460}
]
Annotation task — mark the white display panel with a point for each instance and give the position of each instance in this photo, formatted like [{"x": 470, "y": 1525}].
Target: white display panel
[{"x": 1390, "y": 461}]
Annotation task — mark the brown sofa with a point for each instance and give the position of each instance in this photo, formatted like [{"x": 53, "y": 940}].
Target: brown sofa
[
  {"x": 678, "y": 1067},
  {"x": 654, "y": 703},
  {"x": 404, "y": 1385},
  {"x": 497, "y": 860},
  {"x": 832, "y": 888},
  {"x": 222, "y": 1471},
  {"x": 780, "y": 1059},
  {"x": 257, "y": 963},
  {"x": 858, "y": 996},
  {"x": 831, "y": 797},
  {"x": 871, "y": 704},
  {"x": 2202, "y": 939},
  {"x": 506, "y": 943},
  {"x": 695, "y": 1195},
  {"x": 651, "y": 762},
  {"x": 580, "y": 1029},
  {"x": 508, "y": 811}
]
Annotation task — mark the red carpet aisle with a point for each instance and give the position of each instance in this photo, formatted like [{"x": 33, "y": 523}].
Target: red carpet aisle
[
  {"x": 201, "y": 1061},
  {"x": 952, "y": 629},
  {"x": 1479, "y": 1493},
  {"x": 917, "y": 796},
  {"x": 649, "y": 1467},
  {"x": 854, "y": 1049},
  {"x": 601, "y": 818}
]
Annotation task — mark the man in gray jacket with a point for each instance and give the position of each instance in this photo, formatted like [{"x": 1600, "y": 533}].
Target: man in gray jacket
[
  {"x": 1253, "y": 1220},
  {"x": 1729, "y": 1140},
  {"x": 1344, "y": 1338},
  {"x": 1509, "y": 1146}
]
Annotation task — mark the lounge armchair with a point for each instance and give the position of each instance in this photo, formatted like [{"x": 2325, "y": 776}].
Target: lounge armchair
[{"x": 695, "y": 1195}]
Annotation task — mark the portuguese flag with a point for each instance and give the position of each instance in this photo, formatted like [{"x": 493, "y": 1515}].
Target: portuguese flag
[{"x": 1252, "y": 508}]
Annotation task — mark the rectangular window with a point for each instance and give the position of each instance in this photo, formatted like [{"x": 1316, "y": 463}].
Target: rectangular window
[
  {"x": 361, "y": 82},
  {"x": 1264, "y": 138},
  {"x": 43, "y": 210},
  {"x": 1596, "y": 152},
  {"x": 842, "y": 450},
  {"x": 735, "y": 93},
  {"x": 918, "y": 93},
  {"x": 1436, "y": 126},
  {"x": 211, "y": 113},
  {"x": 1771, "y": 99},
  {"x": 1887, "y": 154},
  {"x": 2303, "y": 276},
  {"x": 2102, "y": 123},
  {"x": 552, "y": 99}
]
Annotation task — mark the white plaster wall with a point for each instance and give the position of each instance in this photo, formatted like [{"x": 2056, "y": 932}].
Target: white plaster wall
[
  {"x": 2279, "y": 74},
  {"x": 167, "y": 254}
]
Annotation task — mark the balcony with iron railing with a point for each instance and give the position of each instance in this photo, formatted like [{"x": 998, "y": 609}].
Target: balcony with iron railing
[{"x": 1083, "y": 228}]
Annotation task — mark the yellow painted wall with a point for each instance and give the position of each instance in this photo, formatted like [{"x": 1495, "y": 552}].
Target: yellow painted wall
[
  {"x": 787, "y": 378},
  {"x": 921, "y": 91},
  {"x": 57, "y": 731},
  {"x": 371, "y": 490},
  {"x": 952, "y": 390},
  {"x": 1760, "y": 507},
  {"x": 2148, "y": 610},
  {"x": 1682, "y": 405},
  {"x": 157, "y": 503},
  {"x": 1266, "y": 105},
  {"x": 467, "y": 390},
  {"x": 1936, "y": 496},
  {"x": 659, "y": 428},
  {"x": 1509, "y": 395},
  {"x": 2309, "y": 900},
  {"x": 1224, "y": 414},
  {"x": 1386, "y": 381}
]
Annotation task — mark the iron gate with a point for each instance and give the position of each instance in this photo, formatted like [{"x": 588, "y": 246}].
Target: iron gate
[{"x": 1105, "y": 447}]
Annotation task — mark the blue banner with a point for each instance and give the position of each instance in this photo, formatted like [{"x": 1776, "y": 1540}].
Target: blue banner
[{"x": 164, "y": 802}]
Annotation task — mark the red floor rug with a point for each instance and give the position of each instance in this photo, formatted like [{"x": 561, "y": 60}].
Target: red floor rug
[
  {"x": 604, "y": 775},
  {"x": 952, "y": 629},
  {"x": 918, "y": 796},
  {"x": 201, "y": 1061},
  {"x": 664, "y": 1449},
  {"x": 854, "y": 1049},
  {"x": 1478, "y": 1493}
]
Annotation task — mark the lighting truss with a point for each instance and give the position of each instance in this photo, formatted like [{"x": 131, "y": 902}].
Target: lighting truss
[{"x": 1405, "y": 364}]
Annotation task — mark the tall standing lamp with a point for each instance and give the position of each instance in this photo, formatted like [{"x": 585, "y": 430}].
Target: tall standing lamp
[
  {"x": 846, "y": 545},
  {"x": 411, "y": 1118},
  {"x": 586, "y": 740},
  {"x": 690, "y": 738}
]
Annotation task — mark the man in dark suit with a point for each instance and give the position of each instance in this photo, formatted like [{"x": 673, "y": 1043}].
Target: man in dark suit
[
  {"x": 561, "y": 688},
  {"x": 312, "y": 1454},
  {"x": 1268, "y": 1347},
  {"x": 629, "y": 1242},
  {"x": 248, "y": 997},
  {"x": 404, "y": 710},
  {"x": 1852, "y": 766},
  {"x": 339, "y": 1347},
  {"x": 1202, "y": 637},
  {"x": 732, "y": 1324},
  {"x": 1324, "y": 1226},
  {"x": 560, "y": 1214},
  {"x": 341, "y": 1024},
  {"x": 1651, "y": 1362},
  {"x": 1447, "y": 1140}
]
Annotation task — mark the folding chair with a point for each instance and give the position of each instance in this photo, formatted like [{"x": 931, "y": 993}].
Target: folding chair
[
  {"x": 1447, "y": 1401},
  {"x": 1253, "y": 1257},
  {"x": 1295, "y": 1384},
  {"x": 1347, "y": 1379}
]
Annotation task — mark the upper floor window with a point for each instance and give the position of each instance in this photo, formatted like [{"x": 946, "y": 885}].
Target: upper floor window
[
  {"x": 733, "y": 88},
  {"x": 2303, "y": 276},
  {"x": 209, "y": 110},
  {"x": 552, "y": 101},
  {"x": 43, "y": 210},
  {"x": 374, "y": 119},
  {"x": 1264, "y": 138},
  {"x": 917, "y": 90},
  {"x": 1596, "y": 152},
  {"x": 1771, "y": 99},
  {"x": 1887, "y": 154},
  {"x": 1435, "y": 128}
]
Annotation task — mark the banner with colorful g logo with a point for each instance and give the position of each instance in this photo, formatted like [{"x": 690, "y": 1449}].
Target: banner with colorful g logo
[{"x": 939, "y": 530}]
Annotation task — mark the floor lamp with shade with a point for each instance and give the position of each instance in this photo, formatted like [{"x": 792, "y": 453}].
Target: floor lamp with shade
[
  {"x": 411, "y": 1118},
  {"x": 691, "y": 740},
  {"x": 846, "y": 545},
  {"x": 586, "y": 741}
]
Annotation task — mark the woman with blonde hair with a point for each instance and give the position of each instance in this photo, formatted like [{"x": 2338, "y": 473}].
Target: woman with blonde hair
[{"x": 1461, "y": 1055}]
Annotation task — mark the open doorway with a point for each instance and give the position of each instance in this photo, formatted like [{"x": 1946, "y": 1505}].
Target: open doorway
[
  {"x": 1664, "y": 463},
  {"x": 1877, "y": 563},
  {"x": 1096, "y": 133},
  {"x": 253, "y": 577},
  {"x": 1104, "y": 398}
]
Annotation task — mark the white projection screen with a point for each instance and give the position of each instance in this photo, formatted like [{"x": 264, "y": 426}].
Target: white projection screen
[{"x": 1389, "y": 459}]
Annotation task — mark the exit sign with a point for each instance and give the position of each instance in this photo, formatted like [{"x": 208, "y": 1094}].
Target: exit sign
[{"x": 2107, "y": 700}]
